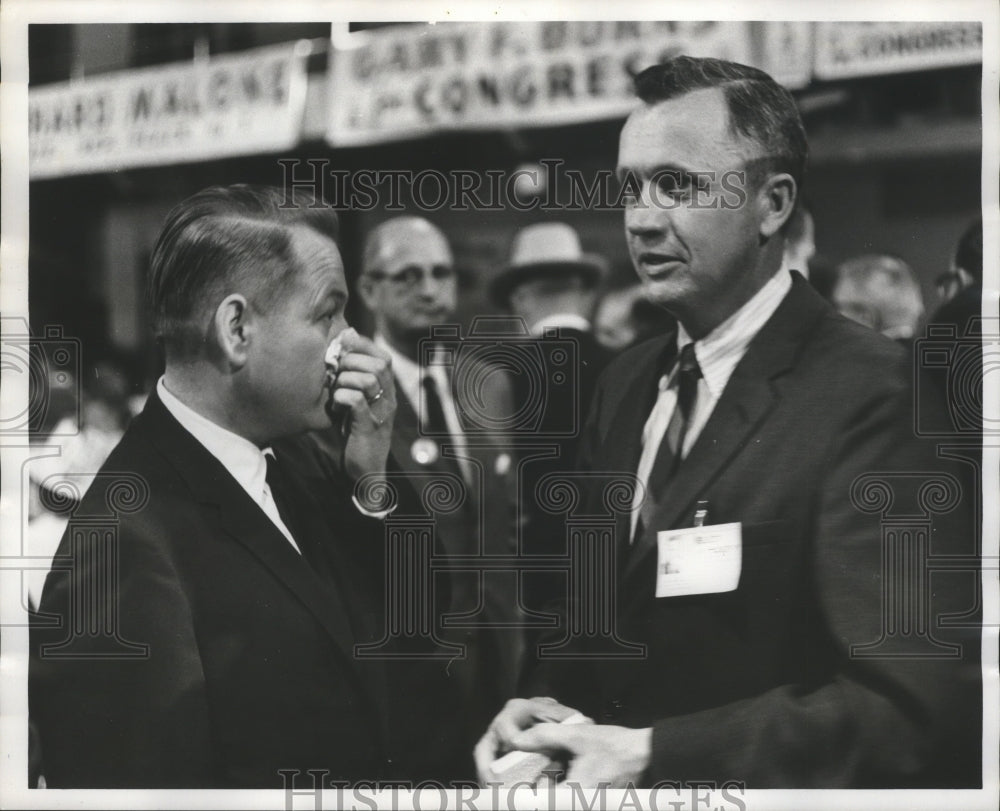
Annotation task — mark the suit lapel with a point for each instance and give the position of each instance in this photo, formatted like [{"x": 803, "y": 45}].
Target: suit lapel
[
  {"x": 406, "y": 430},
  {"x": 742, "y": 407},
  {"x": 625, "y": 425},
  {"x": 238, "y": 516},
  {"x": 266, "y": 543},
  {"x": 748, "y": 398},
  {"x": 629, "y": 418}
]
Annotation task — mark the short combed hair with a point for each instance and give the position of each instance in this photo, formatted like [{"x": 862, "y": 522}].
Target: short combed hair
[
  {"x": 759, "y": 108},
  {"x": 225, "y": 239},
  {"x": 379, "y": 235}
]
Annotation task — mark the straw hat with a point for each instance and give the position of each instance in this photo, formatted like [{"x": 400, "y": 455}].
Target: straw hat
[{"x": 545, "y": 248}]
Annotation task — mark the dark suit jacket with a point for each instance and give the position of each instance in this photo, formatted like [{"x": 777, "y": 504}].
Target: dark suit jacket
[
  {"x": 249, "y": 663},
  {"x": 760, "y": 684},
  {"x": 484, "y": 524},
  {"x": 565, "y": 411}
]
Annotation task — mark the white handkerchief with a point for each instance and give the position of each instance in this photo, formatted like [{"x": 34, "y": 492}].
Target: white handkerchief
[
  {"x": 699, "y": 560},
  {"x": 526, "y": 768}
]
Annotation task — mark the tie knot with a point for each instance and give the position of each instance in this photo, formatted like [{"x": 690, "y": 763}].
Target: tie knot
[{"x": 688, "y": 362}]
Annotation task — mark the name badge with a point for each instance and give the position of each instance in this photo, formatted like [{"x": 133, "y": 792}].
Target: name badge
[{"x": 699, "y": 560}]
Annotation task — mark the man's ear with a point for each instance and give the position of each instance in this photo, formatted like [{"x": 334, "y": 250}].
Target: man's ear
[
  {"x": 776, "y": 198},
  {"x": 366, "y": 289},
  {"x": 233, "y": 329}
]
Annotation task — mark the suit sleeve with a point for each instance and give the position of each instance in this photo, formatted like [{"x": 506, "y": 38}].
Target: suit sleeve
[
  {"x": 118, "y": 691},
  {"x": 881, "y": 720}
]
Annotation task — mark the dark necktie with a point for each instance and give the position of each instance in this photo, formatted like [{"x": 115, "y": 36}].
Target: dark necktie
[
  {"x": 668, "y": 455},
  {"x": 281, "y": 491},
  {"x": 435, "y": 423}
]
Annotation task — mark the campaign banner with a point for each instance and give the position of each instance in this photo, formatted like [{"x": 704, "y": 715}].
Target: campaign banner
[
  {"x": 787, "y": 52},
  {"x": 232, "y": 104},
  {"x": 850, "y": 49},
  {"x": 406, "y": 81}
]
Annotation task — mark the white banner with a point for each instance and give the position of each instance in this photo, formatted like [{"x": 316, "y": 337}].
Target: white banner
[
  {"x": 406, "y": 81},
  {"x": 787, "y": 52},
  {"x": 849, "y": 49},
  {"x": 234, "y": 104}
]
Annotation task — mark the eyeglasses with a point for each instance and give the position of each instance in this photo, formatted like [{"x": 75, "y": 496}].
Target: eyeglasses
[{"x": 411, "y": 276}]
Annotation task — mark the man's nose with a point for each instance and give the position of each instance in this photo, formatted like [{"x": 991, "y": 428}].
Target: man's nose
[
  {"x": 337, "y": 326},
  {"x": 644, "y": 217},
  {"x": 429, "y": 286}
]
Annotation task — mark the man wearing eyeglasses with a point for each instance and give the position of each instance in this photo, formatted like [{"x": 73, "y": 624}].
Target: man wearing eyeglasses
[{"x": 409, "y": 284}]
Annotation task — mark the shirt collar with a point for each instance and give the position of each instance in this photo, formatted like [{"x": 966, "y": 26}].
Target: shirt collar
[
  {"x": 721, "y": 350},
  {"x": 238, "y": 455},
  {"x": 564, "y": 320},
  {"x": 409, "y": 373}
]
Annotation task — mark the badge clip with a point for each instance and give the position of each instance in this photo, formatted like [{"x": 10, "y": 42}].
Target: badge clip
[{"x": 701, "y": 513}]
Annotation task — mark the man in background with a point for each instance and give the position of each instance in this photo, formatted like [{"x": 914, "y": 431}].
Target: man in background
[
  {"x": 551, "y": 284},
  {"x": 950, "y": 360},
  {"x": 962, "y": 283},
  {"x": 882, "y": 292},
  {"x": 408, "y": 283}
]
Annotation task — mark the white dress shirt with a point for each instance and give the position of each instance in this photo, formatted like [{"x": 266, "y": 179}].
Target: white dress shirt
[
  {"x": 409, "y": 377},
  {"x": 244, "y": 460},
  {"x": 718, "y": 355}
]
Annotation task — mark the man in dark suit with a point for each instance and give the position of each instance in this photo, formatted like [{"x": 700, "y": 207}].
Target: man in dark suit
[
  {"x": 783, "y": 484},
  {"x": 206, "y": 636},
  {"x": 440, "y": 435},
  {"x": 551, "y": 283}
]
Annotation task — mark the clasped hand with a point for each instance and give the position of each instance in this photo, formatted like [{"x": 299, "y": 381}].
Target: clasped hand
[{"x": 596, "y": 754}]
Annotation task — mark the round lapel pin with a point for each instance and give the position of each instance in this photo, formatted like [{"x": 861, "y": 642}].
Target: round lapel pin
[
  {"x": 425, "y": 451},
  {"x": 502, "y": 464}
]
